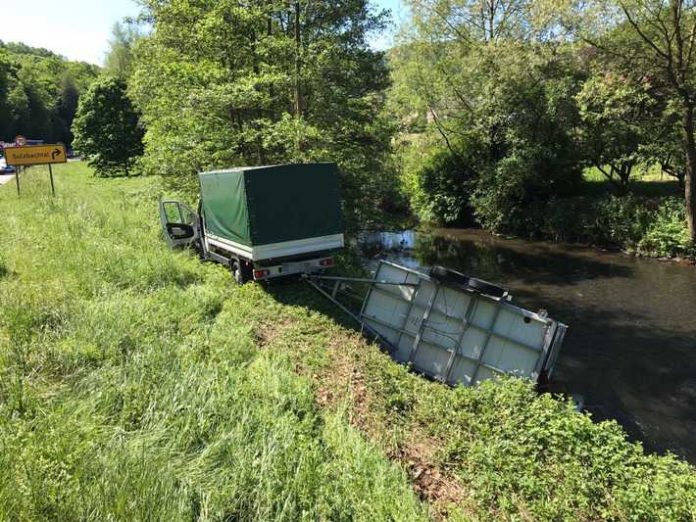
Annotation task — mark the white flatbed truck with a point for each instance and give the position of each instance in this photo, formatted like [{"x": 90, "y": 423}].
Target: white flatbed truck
[{"x": 262, "y": 222}]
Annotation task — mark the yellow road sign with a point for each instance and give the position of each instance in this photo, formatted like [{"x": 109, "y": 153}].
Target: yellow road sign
[{"x": 35, "y": 155}]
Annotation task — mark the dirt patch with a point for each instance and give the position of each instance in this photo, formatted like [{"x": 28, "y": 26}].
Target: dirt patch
[
  {"x": 434, "y": 486},
  {"x": 267, "y": 333},
  {"x": 343, "y": 378}
]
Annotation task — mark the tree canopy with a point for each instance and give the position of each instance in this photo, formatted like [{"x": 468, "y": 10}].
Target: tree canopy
[
  {"x": 222, "y": 84},
  {"x": 527, "y": 95},
  {"x": 107, "y": 129},
  {"x": 499, "y": 96},
  {"x": 119, "y": 57}
]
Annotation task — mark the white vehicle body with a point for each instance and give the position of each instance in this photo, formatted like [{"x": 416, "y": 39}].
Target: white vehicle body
[{"x": 185, "y": 228}]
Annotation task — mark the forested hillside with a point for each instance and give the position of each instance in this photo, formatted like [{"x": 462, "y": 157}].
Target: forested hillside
[{"x": 39, "y": 92}]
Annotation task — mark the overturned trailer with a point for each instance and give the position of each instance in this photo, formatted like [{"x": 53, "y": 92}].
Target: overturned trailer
[{"x": 451, "y": 327}]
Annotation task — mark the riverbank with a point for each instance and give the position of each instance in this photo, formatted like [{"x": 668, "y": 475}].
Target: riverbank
[
  {"x": 631, "y": 321},
  {"x": 645, "y": 218},
  {"x": 138, "y": 383}
]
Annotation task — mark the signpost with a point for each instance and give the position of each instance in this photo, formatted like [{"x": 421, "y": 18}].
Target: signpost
[{"x": 35, "y": 155}]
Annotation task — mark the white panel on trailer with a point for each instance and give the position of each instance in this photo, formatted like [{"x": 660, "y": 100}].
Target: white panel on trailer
[
  {"x": 431, "y": 359},
  {"x": 456, "y": 334}
]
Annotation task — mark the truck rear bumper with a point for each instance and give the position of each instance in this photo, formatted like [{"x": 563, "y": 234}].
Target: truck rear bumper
[
  {"x": 306, "y": 266},
  {"x": 278, "y": 250}
]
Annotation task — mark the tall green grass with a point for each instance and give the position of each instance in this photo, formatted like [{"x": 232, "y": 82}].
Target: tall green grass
[
  {"x": 141, "y": 384},
  {"x": 132, "y": 389}
]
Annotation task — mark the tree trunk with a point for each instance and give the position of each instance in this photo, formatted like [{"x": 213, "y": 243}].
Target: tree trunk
[
  {"x": 690, "y": 171},
  {"x": 298, "y": 43}
]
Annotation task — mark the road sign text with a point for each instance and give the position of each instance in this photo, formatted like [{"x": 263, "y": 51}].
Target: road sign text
[{"x": 35, "y": 155}]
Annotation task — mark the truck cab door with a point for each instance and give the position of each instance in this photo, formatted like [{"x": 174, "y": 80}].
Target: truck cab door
[{"x": 180, "y": 224}]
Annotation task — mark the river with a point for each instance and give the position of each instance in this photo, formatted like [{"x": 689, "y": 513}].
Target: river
[{"x": 630, "y": 351}]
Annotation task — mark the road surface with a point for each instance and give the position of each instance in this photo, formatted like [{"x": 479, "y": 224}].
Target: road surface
[{"x": 6, "y": 178}]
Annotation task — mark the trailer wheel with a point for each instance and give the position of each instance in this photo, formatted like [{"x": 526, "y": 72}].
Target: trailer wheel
[{"x": 242, "y": 272}]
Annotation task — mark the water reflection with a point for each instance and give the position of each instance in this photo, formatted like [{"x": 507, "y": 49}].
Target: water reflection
[{"x": 631, "y": 347}]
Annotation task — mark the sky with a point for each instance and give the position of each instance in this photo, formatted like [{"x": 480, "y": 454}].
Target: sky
[{"x": 80, "y": 29}]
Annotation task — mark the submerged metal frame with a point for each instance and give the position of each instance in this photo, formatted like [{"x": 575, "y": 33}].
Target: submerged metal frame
[{"x": 546, "y": 355}]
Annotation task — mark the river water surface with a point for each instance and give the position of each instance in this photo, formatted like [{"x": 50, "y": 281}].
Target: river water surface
[{"x": 631, "y": 347}]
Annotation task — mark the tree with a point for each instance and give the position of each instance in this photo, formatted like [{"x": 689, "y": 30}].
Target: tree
[
  {"x": 67, "y": 107},
  {"x": 119, "y": 57},
  {"x": 107, "y": 129},
  {"x": 6, "y": 80},
  {"x": 656, "y": 38},
  {"x": 220, "y": 83},
  {"x": 498, "y": 91},
  {"x": 619, "y": 117}
]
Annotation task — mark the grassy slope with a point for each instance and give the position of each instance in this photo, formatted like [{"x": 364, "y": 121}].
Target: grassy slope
[{"x": 139, "y": 384}]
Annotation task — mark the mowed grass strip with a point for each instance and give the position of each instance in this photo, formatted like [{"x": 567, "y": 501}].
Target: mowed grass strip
[
  {"x": 131, "y": 390},
  {"x": 141, "y": 384}
]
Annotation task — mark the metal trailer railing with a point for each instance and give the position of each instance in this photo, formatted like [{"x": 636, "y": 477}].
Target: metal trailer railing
[{"x": 458, "y": 330}]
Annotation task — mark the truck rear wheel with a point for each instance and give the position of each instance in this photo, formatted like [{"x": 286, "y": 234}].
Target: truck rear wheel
[{"x": 242, "y": 272}]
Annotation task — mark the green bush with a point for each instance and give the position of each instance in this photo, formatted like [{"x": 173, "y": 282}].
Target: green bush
[
  {"x": 526, "y": 456},
  {"x": 446, "y": 183},
  {"x": 647, "y": 226},
  {"x": 607, "y": 220},
  {"x": 667, "y": 234},
  {"x": 513, "y": 199}
]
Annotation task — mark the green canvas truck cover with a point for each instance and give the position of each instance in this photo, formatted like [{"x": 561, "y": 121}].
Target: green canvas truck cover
[{"x": 264, "y": 205}]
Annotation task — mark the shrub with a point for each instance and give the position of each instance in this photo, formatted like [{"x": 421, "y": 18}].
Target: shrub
[
  {"x": 647, "y": 226},
  {"x": 667, "y": 235},
  {"x": 445, "y": 184},
  {"x": 513, "y": 199},
  {"x": 107, "y": 128}
]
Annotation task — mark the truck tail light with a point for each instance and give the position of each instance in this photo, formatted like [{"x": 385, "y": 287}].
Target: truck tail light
[
  {"x": 260, "y": 274},
  {"x": 329, "y": 261}
]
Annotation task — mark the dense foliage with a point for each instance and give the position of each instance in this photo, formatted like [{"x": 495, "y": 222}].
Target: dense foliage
[
  {"x": 119, "y": 57},
  {"x": 220, "y": 85},
  {"x": 501, "y": 103},
  {"x": 107, "y": 129},
  {"x": 651, "y": 44},
  {"x": 39, "y": 93},
  {"x": 522, "y": 97},
  {"x": 140, "y": 384}
]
